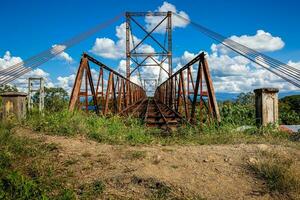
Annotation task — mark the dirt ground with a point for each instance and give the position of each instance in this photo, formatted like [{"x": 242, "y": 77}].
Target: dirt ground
[{"x": 142, "y": 172}]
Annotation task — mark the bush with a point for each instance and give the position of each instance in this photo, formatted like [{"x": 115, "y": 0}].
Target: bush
[
  {"x": 61, "y": 123},
  {"x": 114, "y": 129}
]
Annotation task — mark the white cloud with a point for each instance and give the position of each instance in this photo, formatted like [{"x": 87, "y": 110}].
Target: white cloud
[
  {"x": 22, "y": 82},
  {"x": 66, "y": 82},
  {"x": 108, "y": 48},
  {"x": 63, "y": 55},
  {"x": 262, "y": 41},
  {"x": 237, "y": 74},
  {"x": 294, "y": 64},
  {"x": 8, "y": 60},
  {"x": 151, "y": 21},
  {"x": 234, "y": 73}
]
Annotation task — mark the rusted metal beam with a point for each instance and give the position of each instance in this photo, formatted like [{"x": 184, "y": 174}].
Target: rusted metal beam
[
  {"x": 116, "y": 95},
  {"x": 164, "y": 53},
  {"x": 77, "y": 84},
  {"x": 182, "y": 87}
]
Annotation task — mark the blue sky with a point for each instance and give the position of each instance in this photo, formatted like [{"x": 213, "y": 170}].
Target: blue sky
[{"x": 29, "y": 27}]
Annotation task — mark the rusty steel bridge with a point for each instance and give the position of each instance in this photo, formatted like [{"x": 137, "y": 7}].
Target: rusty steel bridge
[{"x": 184, "y": 96}]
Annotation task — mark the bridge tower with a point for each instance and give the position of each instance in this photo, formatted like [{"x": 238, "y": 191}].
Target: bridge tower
[{"x": 136, "y": 56}]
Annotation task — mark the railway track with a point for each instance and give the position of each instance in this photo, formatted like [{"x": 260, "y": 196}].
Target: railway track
[
  {"x": 159, "y": 115},
  {"x": 155, "y": 114}
]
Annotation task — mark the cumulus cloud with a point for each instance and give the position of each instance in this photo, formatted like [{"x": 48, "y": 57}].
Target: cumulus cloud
[
  {"x": 234, "y": 73},
  {"x": 238, "y": 74},
  {"x": 63, "y": 55},
  {"x": 294, "y": 64},
  {"x": 8, "y": 60},
  {"x": 22, "y": 82},
  {"x": 151, "y": 21},
  {"x": 262, "y": 41},
  {"x": 108, "y": 48},
  {"x": 66, "y": 82}
]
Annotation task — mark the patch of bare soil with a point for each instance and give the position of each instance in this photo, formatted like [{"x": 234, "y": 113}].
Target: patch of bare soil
[{"x": 165, "y": 172}]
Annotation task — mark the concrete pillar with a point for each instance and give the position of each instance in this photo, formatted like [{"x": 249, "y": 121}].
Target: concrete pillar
[
  {"x": 14, "y": 103},
  {"x": 266, "y": 106}
]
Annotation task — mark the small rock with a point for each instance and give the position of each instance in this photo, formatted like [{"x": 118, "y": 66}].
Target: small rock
[
  {"x": 227, "y": 159},
  {"x": 157, "y": 159},
  {"x": 252, "y": 161},
  {"x": 263, "y": 147},
  {"x": 209, "y": 159}
]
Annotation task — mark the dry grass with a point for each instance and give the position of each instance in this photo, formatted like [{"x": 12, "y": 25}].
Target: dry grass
[{"x": 280, "y": 171}]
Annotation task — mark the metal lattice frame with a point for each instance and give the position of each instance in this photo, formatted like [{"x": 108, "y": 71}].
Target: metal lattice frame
[
  {"x": 189, "y": 96},
  {"x": 32, "y": 90},
  {"x": 131, "y": 52},
  {"x": 106, "y": 96}
]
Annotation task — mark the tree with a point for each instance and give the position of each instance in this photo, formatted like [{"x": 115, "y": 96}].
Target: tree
[
  {"x": 293, "y": 101},
  {"x": 56, "y": 99},
  {"x": 246, "y": 98},
  {"x": 6, "y": 88},
  {"x": 289, "y": 109}
]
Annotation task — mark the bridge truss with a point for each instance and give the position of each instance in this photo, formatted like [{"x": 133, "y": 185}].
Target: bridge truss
[
  {"x": 113, "y": 92},
  {"x": 186, "y": 95},
  {"x": 136, "y": 56}
]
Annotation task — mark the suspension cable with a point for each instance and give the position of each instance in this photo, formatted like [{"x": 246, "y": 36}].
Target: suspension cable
[
  {"x": 15, "y": 71},
  {"x": 286, "y": 72}
]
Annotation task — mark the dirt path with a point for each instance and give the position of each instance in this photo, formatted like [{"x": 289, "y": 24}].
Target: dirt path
[{"x": 210, "y": 172}]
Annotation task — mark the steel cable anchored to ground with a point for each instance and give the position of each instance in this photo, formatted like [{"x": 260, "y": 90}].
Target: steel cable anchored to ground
[
  {"x": 12, "y": 73},
  {"x": 286, "y": 72}
]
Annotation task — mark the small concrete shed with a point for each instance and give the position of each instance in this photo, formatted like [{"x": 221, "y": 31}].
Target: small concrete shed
[{"x": 13, "y": 103}]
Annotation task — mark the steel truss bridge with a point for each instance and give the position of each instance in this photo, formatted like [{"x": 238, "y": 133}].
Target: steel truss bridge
[{"x": 185, "y": 96}]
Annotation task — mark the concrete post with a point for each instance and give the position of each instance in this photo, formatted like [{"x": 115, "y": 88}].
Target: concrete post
[
  {"x": 14, "y": 103},
  {"x": 266, "y": 106}
]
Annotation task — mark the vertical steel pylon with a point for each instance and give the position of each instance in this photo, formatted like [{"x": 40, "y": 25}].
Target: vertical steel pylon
[{"x": 162, "y": 56}]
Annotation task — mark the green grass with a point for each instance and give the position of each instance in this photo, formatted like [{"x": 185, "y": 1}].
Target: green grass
[
  {"x": 29, "y": 170},
  {"x": 13, "y": 183},
  {"x": 128, "y": 130},
  {"x": 281, "y": 173}
]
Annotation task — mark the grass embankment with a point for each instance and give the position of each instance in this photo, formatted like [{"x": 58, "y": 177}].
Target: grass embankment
[
  {"x": 280, "y": 172},
  {"x": 121, "y": 130},
  {"x": 29, "y": 170}
]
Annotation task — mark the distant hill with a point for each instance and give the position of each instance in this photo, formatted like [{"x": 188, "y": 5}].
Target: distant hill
[{"x": 223, "y": 96}]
